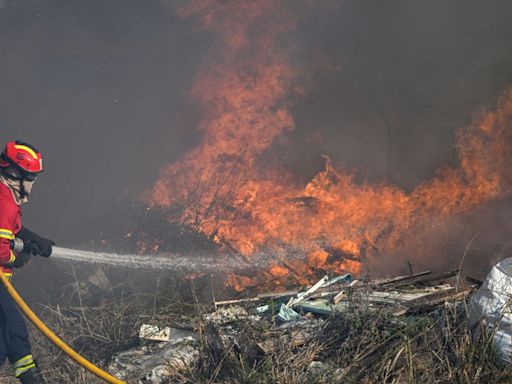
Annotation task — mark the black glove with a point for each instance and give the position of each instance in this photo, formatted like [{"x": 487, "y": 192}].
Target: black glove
[
  {"x": 21, "y": 259},
  {"x": 35, "y": 244},
  {"x": 31, "y": 247}
]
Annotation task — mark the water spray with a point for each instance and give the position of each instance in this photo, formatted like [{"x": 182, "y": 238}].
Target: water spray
[{"x": 162, "y": 261}]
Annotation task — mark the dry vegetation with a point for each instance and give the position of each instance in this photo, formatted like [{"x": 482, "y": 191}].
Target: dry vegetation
[
  {"x": 361, "y": 345},
  {"x": 98, "y": 331}
]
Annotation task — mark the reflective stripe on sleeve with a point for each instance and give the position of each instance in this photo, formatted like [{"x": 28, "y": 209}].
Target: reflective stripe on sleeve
[
  {"x": 6, "y": 234},
  {"x": 12, "y": 259}
]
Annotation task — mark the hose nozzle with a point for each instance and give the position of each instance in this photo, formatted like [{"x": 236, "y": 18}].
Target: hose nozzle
[{"x": 17, "y": 245}]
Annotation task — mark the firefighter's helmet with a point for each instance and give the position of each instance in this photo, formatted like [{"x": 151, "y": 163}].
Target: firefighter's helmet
[{"x": 22, "y": 156}]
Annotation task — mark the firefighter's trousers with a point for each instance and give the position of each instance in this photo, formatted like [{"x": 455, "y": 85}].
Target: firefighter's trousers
[{"x": 14, "y": 343}]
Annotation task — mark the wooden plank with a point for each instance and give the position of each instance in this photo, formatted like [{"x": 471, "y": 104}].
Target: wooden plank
[
  {"x": 304, "y": 295},
  {"x": 407, "y": 297},
  {"x": 270, "y": 295},
  {"x": 428, "y": 279},
  {"x": 432, "y": 304},
  {"x": 238, "y": 301},
  {"x": 339, "y": 297},
  {"x": 262, "y": 296},
  {"x": 432, "y": 297},
  {"x": 399, "y": 279}
]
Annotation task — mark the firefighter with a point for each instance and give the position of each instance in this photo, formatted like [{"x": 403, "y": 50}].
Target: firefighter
[{"x": 20, "y": 164}]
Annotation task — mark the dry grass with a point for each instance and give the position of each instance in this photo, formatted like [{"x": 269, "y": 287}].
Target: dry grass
[
  {"x": 98, "y": 331},
  {"x": 363, "y": 346},
  {"x": 360, "y": 345}
]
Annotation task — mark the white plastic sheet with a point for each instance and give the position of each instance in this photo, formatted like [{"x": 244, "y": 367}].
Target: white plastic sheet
[{"x": 491, "y": 306}]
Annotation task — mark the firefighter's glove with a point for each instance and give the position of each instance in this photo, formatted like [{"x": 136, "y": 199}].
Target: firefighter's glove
[
  {"x": 39, "y": 245},
  {"x": 42, "y": 247},
  {"x": 21, "y": 259},
  {"x": 31, "y": 247}
]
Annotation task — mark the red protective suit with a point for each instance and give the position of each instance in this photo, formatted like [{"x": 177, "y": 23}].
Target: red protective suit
[{"x": 10, "y": 225}]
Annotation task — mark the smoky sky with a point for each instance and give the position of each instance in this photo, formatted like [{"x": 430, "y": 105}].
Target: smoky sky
[{"x": 102, "y": 88}]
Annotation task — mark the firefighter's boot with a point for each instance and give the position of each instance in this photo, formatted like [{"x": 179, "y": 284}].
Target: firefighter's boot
[{"x": 32, "y": 376}]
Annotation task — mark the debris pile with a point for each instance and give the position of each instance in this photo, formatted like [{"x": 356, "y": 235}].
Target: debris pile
[
  {"x": 403, "y": 295},
  {"x": 328, "y": 332}
]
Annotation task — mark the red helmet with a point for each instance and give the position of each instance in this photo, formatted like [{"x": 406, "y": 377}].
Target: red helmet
[{"x": 22, "y": 156}]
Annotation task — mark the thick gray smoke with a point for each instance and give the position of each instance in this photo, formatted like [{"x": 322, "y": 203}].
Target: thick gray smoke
[{"x": 101, "y": 86}]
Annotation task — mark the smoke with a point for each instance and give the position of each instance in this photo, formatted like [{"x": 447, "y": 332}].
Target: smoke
[
  {"x": 99, "y": 87},
  {"x": 413, "y": 73},
  {"x": 103, "y": 88}
]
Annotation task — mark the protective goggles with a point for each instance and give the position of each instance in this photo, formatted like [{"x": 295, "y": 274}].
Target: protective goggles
[{"x": 18, "y": 174}]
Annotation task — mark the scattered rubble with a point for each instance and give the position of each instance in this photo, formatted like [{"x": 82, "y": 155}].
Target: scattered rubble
[
  {"x": 300, "y": 320},
  {"x": 405, "y": 294}
]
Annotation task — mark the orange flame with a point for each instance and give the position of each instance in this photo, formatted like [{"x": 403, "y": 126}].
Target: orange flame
[{"x": 224, "y": 192}]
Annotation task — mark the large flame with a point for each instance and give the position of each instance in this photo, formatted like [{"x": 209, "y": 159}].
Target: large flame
[{"x": 222, "y": 188}]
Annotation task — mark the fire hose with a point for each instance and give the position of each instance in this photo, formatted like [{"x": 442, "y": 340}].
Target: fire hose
[{"x": 54, "y": 338}]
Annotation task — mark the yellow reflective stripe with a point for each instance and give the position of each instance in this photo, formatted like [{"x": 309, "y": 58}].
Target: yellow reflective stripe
[
  {"x": 6, "y": 234},
  {"x": 29, "y": 150},
  {"x": 23, "y": 365},
  {"x": 23, "y": 361},
  {"x": 12, "y": 259},
  {"x": 20, "y": 371}
]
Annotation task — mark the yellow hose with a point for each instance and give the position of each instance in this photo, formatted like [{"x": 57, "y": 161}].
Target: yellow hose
[{"x": 54, "y": 338}]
